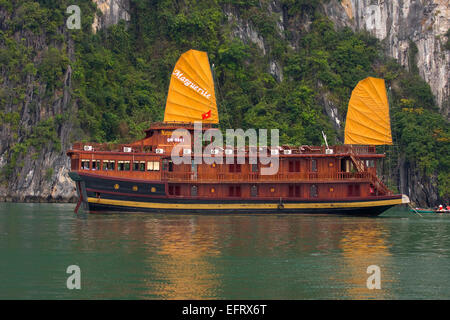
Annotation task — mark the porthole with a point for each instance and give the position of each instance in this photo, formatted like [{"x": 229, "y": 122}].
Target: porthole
[
  {"x": 116, "y": 186},
  {"x": 135, "y": 188},
  {"x": 153, "y": 189}
]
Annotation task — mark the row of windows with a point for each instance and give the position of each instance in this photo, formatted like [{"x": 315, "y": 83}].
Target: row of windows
[
  {"x": 294, "y": 190},
  {"x": 235, "y": 191},
  {"x": 294, "y": 165},
  {"x": 108, "y": 165}
]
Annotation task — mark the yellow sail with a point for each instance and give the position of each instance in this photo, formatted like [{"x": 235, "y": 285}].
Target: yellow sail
[
  {"x": 368, "y": 120},
  {"x": 191, "y": 92}
]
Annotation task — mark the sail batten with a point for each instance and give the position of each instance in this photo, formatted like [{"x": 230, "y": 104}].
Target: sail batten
[
  {"x": 368, "y": 121},
  {"x": 191, "y": 94}
]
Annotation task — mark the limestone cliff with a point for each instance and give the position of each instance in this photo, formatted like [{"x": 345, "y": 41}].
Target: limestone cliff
[
  {"x": 41, "y": 172},
  {"x": 399, "y": 24},
  {"x": 112, "y": 12}
]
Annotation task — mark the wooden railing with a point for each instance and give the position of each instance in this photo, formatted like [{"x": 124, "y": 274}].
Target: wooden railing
[
  {"x": 342, "y": 149},
  {"x": 354, "y": 149},
  {"x": 358, "y": 163},
  {"x": 248, "y": 177},
  {"x": 361, "y": 167}
]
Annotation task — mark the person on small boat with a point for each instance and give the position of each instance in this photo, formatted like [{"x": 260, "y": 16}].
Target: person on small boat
[{"x": 441, "y": 208}]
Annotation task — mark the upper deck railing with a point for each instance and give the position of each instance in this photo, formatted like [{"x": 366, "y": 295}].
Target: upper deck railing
[
  {"x": 256, "y": 177},
  {"x": 338, "y": 149}
]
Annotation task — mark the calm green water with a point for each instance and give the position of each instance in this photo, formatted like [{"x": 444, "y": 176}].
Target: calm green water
[{"x": 184, "y": 256}]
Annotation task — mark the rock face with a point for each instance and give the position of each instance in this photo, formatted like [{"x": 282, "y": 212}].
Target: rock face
[
  {"x": 398, "y": 24},
  {"x": 40, "y": 175},
  {"x": 112, "y": 12}
]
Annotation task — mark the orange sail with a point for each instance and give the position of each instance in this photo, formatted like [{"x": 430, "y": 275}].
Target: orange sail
[
  {"x": 191, "y": 92},
  {"x": 368, "y": 120}
]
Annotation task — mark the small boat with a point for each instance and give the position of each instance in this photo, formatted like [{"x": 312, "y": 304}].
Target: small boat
[{"x": 422, "y": 210}]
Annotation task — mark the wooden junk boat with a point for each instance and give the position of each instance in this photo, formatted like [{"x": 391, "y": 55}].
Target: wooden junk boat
[{"x": 142, "y": 176}]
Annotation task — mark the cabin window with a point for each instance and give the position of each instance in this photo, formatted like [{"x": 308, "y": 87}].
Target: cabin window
[
  {"x": 194, "y": 191},
  {"x": 234, "y": 191},
  {"x": 294, "y": 166},
  {"x": 95, "y": 164},
  {"x": 234, "y": 168},
  {"x": 123, "y": 165},
  {"x": 105, "y": 165},
  {"x": 170, "y": 166},
  {"x": 112, "y": 165},
  {"x": 294, "y": 191},
  {"x": 314, "y": 165},
  {"x": 174, "y": 190},
  {"x": 370, "y": 163},
  {"x": 357, "y": 190},
  {"x": 353, "y": 190},
  {"x": 139, "y": 166},
  {"x": 313, "y": 191},
  {"x": 85, "y": 164},
  {"x": 255, "y": 167},
  {"x": 151, "y": 165},
  {"x": 254, "y": 191}
]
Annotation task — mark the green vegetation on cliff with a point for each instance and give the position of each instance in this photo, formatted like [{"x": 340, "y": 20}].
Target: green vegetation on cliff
[{"x": 120, "y": 76}]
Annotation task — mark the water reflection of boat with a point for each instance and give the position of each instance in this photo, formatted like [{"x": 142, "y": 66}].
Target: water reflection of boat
[
  {"x": 364, "y": 245},
  {"x": 183, "y": 265}
]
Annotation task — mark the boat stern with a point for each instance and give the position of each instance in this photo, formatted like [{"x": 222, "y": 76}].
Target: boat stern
[
  {"x": 405, "y": 199},
  {"x": 81, "y": 191}
]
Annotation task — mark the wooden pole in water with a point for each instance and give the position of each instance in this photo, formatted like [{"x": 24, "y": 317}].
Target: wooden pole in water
[{"x": 415, "y": 210}]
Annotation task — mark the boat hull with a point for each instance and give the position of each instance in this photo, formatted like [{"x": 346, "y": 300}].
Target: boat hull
[{"x": 98, "y": 194}]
